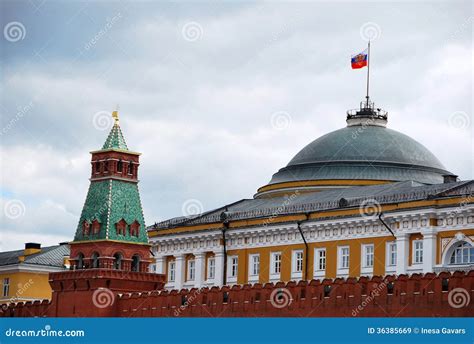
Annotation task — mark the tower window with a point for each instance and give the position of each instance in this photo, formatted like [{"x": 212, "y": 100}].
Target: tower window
[
  {"x": 97, "y": 167},
  {"x": 95, "y": 227},
  {"x": 135, "y": 228},
  {"x": 136, "y": 263},
  {"x": 130, "y": 168},
  {"x": 106, "y": 166},
  {"x": 117, "y": 261},
  {"x": 80, "y": 261},
  {"x": 121, "y": 227},
  {"x": 120, "y": 166},
  {"x": 95, "y": 260},
  {"x": 85, "y": 228}
]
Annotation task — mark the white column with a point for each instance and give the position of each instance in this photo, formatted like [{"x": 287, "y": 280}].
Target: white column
[
  {"x": 200, "y": 261},
  {"x": 429, "y": 249},
  {"x": 160, "y": 264},
  {"x": 402, "y": 252},
  {"x": 179, "y": 278},
  {"x": 219, "y": 257}
]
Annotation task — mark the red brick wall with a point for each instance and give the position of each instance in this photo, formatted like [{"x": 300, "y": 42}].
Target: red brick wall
[{"x": 414, "y": 296}]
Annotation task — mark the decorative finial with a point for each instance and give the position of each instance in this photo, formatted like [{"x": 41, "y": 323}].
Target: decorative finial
[{"x": 115, "y": 115}]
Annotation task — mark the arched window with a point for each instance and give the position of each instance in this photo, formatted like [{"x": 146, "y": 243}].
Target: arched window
[
  {"x": 95, "y": 260},
  {"x": 463, "y": 253},
  {"x": 120, "y": 166},
  {"x": 80, "y": 261},
  {"x": 117, "y": 261},
  {"x": 136, "y": 262},
  {"x": 130, "y": 167}
]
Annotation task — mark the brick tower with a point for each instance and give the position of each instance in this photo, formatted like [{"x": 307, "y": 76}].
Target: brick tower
[{"x": 110, "y": 253}]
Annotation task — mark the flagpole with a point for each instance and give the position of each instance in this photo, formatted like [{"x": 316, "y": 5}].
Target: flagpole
[{"x": 368, "y": 73}]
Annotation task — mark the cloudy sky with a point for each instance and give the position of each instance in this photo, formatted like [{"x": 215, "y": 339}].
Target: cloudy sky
[{"x": 216, "y": 95}]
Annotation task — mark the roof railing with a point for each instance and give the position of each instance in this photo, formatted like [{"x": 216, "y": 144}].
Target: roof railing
[{"x": 367, "y": 109}]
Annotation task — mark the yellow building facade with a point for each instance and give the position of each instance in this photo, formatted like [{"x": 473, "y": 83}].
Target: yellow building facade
[{"x": 24, "y": 274}]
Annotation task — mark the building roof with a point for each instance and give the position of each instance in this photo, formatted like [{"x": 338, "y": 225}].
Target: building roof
[
  {"x": 325, "y": 200},
  {"x": 49, "y": 256}
]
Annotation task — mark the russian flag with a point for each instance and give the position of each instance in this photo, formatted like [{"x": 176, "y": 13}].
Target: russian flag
[{"x": 359, "y": 60}]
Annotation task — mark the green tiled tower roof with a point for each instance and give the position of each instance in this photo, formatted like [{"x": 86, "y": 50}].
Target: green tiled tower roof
[
  {"x": 109, "y": 201},
  {"x": 115, "y": 140}
]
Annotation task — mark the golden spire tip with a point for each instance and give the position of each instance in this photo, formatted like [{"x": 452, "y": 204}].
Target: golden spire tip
[{"x": 115, "y": 116}]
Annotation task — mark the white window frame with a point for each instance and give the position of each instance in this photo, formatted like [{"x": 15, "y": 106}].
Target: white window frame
[
  {"x": 297, "y": 264},
  {"x": 191, "y": 270},
  {"x": 319, "y": 260},
  {"x": 342, "y": 269},
  {"x": 172, "y": 271},
  {"x": 459, "y": 255},
  {"x": 232, "y": 268},
  {"x": 368, "y": 258},
  {"x": 417, "y": 259},
  {"x": 211, "y": 268},
  {"x": 254, "y": 267},
  {"x": 274, "y": 274},
  {"x": 391, "y": 251}
]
